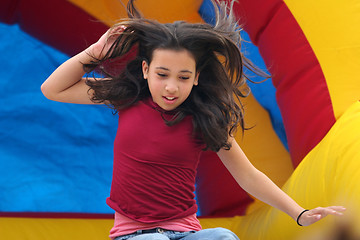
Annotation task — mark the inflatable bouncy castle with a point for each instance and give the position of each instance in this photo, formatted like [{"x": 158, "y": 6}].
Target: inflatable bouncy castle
[{"x": 56, "y": 158}]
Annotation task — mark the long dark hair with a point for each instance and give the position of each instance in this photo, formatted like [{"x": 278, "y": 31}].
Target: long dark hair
[{"x": 215, "y": 103}]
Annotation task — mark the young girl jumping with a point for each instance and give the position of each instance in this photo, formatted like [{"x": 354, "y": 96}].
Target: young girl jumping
[{"x": 177, "y": 95}]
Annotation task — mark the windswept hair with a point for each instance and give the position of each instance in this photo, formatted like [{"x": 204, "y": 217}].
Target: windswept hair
[{"x": 214, "y": 103}]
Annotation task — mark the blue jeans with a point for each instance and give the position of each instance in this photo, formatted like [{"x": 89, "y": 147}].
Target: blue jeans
[{"x": 160, "y": 234}]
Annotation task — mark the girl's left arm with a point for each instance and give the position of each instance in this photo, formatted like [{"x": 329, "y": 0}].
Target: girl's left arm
[{"x": 260, "y": 186}]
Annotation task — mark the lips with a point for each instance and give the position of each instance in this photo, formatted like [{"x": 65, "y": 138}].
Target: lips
[{"x": 170, "y": 98}]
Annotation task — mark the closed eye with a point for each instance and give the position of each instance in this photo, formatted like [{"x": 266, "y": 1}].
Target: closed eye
[
  {"x": 162, "y": 75},
  {"x": 184, "y": 78}
]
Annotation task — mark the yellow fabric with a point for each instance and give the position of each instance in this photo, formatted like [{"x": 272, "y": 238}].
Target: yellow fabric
[
  {"x": 328, "y": 175},
  {"x": 54, "y": 229},
  {"x": 332, "y": 29}
]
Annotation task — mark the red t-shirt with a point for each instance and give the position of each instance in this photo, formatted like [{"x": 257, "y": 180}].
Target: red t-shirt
[{"x": 154, "y": 165}]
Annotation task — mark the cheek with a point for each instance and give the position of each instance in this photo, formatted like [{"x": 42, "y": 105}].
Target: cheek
[
  {"x": 187, "y": 89},
  {"x": 154, "y": 86}
]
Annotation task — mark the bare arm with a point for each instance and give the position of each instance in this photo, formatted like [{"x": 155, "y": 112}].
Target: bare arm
[
  {"x": 65, "y": 84},
  {"x": 257, "y": 184}
]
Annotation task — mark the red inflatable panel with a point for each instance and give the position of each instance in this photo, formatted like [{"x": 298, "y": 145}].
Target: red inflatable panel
[
  {"x": 302, "y": 92},
  {"x": 57, "y": 23}
]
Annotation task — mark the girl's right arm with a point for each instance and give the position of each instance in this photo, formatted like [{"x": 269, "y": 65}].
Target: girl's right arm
[{"x": 66, "y": 83}]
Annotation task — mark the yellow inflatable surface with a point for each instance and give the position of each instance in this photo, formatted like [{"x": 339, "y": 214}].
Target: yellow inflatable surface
[{"x": 329, "y": 175}]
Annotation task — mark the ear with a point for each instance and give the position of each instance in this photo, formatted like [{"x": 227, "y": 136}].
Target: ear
[
  {"x": 196, "y": 80},
  {"x": 145, "y": 69}
]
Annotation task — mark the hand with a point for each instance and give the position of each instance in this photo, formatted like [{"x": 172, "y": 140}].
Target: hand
[
  {"x": 102, "y": 46},
  {"x": 316, "y": 214}
]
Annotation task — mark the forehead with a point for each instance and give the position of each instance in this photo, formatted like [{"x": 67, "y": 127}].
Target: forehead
[{"x": 173, "y": 59}]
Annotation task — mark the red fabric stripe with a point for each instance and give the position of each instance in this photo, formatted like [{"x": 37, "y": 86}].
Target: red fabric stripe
[
  {"x": 302, "y": 92},
  {"x": 57, "y": 23},
  {"x": 56, "y": 215}
]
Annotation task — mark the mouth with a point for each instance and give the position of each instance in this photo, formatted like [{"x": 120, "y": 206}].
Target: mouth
[{"x": 169, "y": 99}]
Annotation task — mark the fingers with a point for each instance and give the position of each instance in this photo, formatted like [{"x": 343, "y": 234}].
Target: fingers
[
  {"x": 113, "y": 33},
  {"x": 332, "y": 210},
  {"x": 338, "y": 210},
  {"x": 116, "y": 31}
]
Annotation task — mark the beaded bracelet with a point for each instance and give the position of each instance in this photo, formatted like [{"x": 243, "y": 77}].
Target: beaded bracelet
[{"x": 298, "y": 218}]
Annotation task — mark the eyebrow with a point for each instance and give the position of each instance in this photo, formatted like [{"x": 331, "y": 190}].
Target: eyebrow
[{"x": 183, "y": 71}]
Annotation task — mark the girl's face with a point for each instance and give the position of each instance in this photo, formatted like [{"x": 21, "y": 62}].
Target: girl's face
[{"x": 171, "y": 76}]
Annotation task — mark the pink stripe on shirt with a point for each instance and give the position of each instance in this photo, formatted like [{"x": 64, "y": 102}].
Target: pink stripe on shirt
[{"x": 124, "y": 225}]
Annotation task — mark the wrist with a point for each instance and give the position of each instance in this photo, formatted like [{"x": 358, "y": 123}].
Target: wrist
[
  {"x": 93, "y": 52},
  {"x": 299, "y": 216},
  {"x": 295, "y": 211}
]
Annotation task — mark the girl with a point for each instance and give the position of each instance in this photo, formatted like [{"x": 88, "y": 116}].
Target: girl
[{"x": 180, "y": 94}]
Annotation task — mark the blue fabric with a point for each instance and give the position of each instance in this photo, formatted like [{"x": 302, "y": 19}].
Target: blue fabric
[
  {"x": 54, "y": 157},
  {"x": 263, "y": 92}
]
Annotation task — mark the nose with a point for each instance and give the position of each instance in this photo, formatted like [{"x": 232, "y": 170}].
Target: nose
[{"x": 171, "y": 87}]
